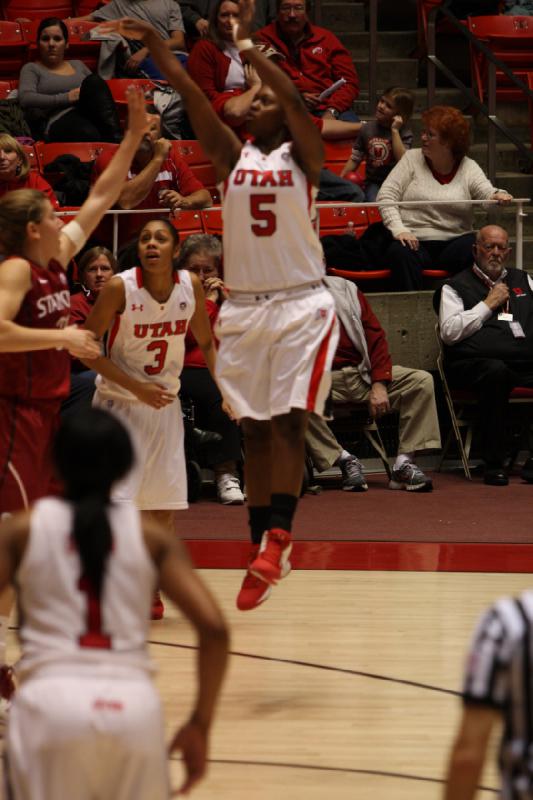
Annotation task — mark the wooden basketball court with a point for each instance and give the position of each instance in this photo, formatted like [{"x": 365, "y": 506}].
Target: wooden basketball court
[{"x": 343, "y": 684}]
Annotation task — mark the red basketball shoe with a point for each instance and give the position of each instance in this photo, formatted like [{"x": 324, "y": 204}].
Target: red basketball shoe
[
  {"x": 158, "y": 609},
  {"x": 272, "y": 562}
]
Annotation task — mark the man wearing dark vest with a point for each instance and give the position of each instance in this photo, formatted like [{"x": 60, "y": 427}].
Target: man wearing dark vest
[{"x": 486, "y": 325}]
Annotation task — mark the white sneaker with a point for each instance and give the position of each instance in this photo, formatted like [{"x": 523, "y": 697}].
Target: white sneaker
[{"x": 229, "y": 490}]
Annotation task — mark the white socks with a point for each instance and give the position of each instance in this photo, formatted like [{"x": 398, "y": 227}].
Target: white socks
[{"x": 403, "y": 458}]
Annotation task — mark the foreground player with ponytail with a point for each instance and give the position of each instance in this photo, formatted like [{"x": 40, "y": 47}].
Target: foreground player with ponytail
[
  {"x": 86, "y": 720},
  {"x": 277, "y": 329}
]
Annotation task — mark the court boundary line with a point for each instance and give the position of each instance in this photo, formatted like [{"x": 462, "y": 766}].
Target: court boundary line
[
  {"x": 325, "y": 667},
  {"x": 324, "y": 768}
]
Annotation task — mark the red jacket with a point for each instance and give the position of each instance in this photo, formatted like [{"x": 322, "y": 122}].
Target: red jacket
[
  {"x": 317, "y": 62},
  {"x": 208, "y": 66},
  {"x": 32, "y": 181},
  {"x": 193, "y": 355}
]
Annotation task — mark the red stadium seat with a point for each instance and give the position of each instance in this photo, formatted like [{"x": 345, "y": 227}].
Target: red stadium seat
[
  {"x": 84, "y": 7},
  {"x": 360, "y": 276},
  {"x": 530, "y": 84},
  {"x": 85, "y": 151},
  {"x": 37, "y": 9},
  {"x": 212, "y": 221},
  {"x": 118, "y": 86},
  {"x": 187, "y": 223},
  {"x": 510, "y": 38},
  {"x": 191, "y": 151},
  {"x": 335, "y": 220},
  {"x": 31, "y": 152},
  {"x": 14, "y": 51},
  {"x": 373, "y": 214},
  {"x": 5, "y": 88},
  {"x": 336, "y": 154}
]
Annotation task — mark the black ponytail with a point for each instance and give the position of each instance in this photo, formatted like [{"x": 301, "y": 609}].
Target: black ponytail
[{"x": 92, "y": 450}]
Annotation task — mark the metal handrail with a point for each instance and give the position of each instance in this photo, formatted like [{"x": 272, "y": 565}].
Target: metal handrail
[
  {"x": 518, "y": 201},
  {"x": 489, "y": 111}
]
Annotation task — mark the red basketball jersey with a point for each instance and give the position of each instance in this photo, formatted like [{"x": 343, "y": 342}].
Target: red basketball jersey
[{"x": 40, "y": 374}]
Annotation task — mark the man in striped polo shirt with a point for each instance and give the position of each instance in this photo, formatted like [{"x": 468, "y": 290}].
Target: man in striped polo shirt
[{"x": 498, "y": 688}]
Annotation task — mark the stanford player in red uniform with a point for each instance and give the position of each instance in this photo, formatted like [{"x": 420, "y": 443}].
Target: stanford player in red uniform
[{"x": 35, "y": 337}]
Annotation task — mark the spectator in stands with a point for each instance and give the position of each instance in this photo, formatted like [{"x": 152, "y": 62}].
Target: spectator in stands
[
  {"x": 95, "y": 268},
  {"x": 164, "y": 15},
  {"x": 522, "y": 8},
  {"x": 384, "y": 140},
  {"x": 196, "y": 15},
  {"x": 363, "y": 373},
  {"x": 157, "y": 178},
  {"x": 15, "y": 172},
  {"x": 62, "y": 100},
  {"x": 428, "y": 234},
  {"x": 229, "y": 82},
  {"x": 202, "y": 254},
  {"x": 314, "y": 59},
  {"x": 486, "y": 325}
]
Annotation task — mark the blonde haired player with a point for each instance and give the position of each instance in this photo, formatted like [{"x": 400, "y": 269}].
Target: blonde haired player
[{"x": 277, "y": 329}]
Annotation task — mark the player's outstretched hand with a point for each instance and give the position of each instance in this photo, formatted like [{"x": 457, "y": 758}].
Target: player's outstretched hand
[
  {"x": 129, "y": 28},
  {"x": 191, "y": 741},
  {"x": 80, "y": 343},
  {"x": 243, "y": 28},
  {"x": 138, "y": 120},
  {"x": 154, "y": 394}
]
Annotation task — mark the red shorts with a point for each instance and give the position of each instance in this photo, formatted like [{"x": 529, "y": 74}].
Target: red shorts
[{"x": 26, "y": 433}]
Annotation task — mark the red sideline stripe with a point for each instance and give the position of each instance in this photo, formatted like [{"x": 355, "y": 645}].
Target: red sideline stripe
[
  {"x": 318, "y": 369},
  {"x": 382, "y": 556}
]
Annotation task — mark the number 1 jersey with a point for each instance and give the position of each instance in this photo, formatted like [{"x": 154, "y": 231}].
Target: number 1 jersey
[
  {"x": 268, "y": 211},
  {"x": 147, "y": 341}
]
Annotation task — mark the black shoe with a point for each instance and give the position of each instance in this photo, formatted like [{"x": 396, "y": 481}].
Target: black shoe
[
  {"x": 526, "y": 473},
  {"x": 496, "y": 477},
  {"x": 203, "y": 438},
  {"x": 353, "y": 479}
]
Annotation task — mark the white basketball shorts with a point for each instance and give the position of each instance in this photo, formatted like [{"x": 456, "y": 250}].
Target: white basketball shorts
[
  {"x": 82, "y": 738},
  {"x": 276, "y": 351},
  {"x": 158, "y": 480}
]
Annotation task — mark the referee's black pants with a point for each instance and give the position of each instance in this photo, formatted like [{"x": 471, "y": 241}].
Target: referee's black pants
[
  {"x": 492, "y": 381},
  {"x": 198, "y": 385}
]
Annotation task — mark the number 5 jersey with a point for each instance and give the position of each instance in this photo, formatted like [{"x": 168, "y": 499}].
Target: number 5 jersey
[
  {"x": 268, "y": 215},
  {"x": 147, "y": 341}
]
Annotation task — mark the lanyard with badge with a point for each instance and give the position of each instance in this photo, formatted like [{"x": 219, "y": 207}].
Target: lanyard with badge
[{"x": 505, "y": 315}]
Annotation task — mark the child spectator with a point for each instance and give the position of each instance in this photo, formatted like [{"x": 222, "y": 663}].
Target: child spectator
[{"x": 383, "y": 141}]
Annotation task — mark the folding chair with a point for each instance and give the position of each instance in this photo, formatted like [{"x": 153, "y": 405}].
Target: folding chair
[
  {"x": 337, "y": 219},
  {"x": 462, "y": 405},
  {"x": 354, "y": 417}
]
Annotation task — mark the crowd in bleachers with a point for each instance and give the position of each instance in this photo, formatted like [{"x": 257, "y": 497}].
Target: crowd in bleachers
[{"x": 57, "y": 111}]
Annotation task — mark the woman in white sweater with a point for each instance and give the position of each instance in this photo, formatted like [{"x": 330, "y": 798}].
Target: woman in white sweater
[{"x": 433, "y": 235}]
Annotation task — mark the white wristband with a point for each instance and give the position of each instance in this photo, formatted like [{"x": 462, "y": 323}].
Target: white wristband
[
  {"x": 75, "y": 233},
  {"x": 244, "y": 44}
]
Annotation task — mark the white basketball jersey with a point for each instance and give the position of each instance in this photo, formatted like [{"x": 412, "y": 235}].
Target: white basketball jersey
[
  {"x": 268, "y": 212},
  {"x": 62, "y": 622},
  {"x": 147, "y": 341}
]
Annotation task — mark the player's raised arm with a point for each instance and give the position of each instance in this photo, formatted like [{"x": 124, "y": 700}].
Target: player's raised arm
[
  {"x": 307, "y": 149},
  {"x": 219, "y": 142}
]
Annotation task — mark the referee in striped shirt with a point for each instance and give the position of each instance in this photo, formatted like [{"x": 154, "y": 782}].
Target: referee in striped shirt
[{"x": 498, "y": 687}]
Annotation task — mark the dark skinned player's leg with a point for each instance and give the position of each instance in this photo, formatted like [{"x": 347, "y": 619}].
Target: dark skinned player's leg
[
  {"x": 288, "y": 453},
  {"x": 166, "y": 520}
]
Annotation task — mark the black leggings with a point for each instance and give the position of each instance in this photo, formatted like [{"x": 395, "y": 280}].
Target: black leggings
[
  {"x": 452, "y": 255},
  {"x": 94, "y": 118}
]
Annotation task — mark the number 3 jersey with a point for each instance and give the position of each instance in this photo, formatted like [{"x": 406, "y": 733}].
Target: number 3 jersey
[
  {"x": 147, "y": 341},
  {"x": 268, "y": 211},
  {"x": 62, "y": 622}
]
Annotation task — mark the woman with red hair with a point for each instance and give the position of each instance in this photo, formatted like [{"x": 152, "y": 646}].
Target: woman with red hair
[{"x": 430, "y": 234}]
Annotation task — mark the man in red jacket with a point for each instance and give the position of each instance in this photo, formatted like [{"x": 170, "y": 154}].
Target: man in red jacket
[
  {"x": 314, "y": 59},
  {"x": 363, "y": 373}
]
